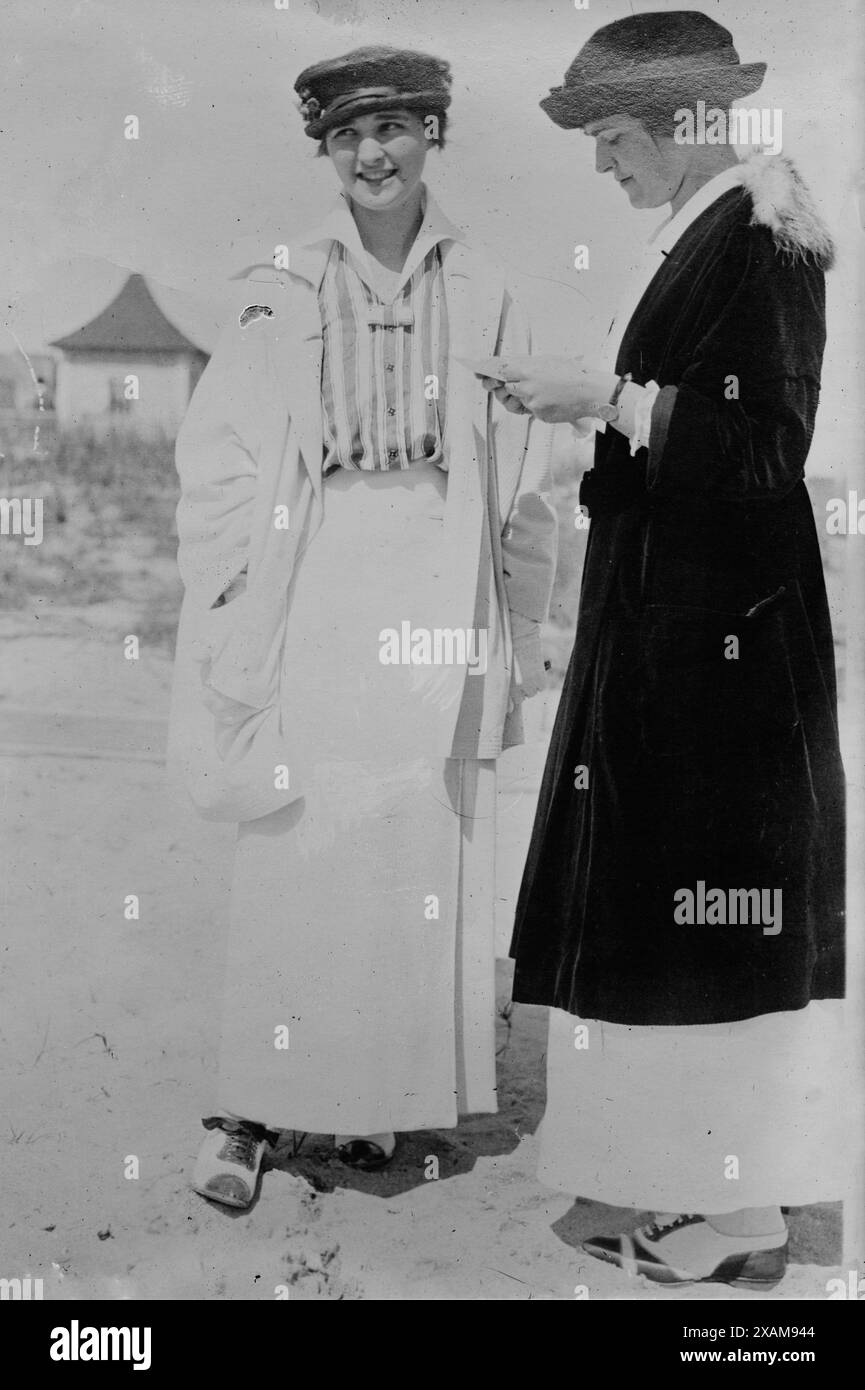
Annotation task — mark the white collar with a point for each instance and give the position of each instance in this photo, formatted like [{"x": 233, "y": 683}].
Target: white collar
[
  {"x": 662, "y": 239},
  {"x": 667, "y": 234},
  {"x": 339, "y": 225}
]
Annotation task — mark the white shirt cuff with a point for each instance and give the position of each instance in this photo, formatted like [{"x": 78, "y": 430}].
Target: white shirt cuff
[{"x": 643, "y": 416}]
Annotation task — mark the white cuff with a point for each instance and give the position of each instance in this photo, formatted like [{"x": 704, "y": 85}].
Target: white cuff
[{"x": 643, "y": 416}]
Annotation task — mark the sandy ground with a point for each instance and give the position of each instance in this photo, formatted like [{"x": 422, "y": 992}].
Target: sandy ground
[{"x": 109, "y": 1028}]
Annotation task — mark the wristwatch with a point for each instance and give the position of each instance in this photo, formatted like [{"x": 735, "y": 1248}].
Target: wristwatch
[{"x": 610, "y": 413}]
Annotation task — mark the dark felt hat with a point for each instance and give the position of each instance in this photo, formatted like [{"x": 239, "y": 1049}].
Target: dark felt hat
[
  {"x": 371, "y": 79},
  {"x": 652, "y": 64}
]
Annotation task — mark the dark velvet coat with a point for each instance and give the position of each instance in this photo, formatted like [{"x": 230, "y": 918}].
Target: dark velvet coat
[{"x": 700, "y": 767}]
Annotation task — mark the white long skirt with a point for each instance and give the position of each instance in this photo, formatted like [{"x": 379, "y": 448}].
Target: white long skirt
[
  {"x": 360, "y": 983},
  {"x": 708, "y": 1118}
]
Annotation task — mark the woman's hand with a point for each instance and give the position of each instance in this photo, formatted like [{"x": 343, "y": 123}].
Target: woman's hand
[
  {"x": 554, "y": 389},
  {"x": 530, "y": 669}
]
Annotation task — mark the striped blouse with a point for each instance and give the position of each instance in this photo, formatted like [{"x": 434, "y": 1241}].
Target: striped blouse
[{"x": 384, "y": 366}]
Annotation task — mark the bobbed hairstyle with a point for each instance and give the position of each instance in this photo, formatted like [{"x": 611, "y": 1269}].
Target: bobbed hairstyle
[{"x": 437, "y": 143}]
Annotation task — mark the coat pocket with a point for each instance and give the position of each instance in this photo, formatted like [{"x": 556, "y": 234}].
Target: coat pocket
[
  {"x": 236, "y": 762},
  {"x": 717, "y": 682},
  {"x": 212, "y": 629},
  {"x": 210, "y": 626}
]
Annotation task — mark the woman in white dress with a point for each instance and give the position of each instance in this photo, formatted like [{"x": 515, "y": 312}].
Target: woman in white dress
[{"x": 368, "y": 556}]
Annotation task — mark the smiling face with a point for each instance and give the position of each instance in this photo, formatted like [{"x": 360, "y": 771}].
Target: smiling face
[
  {"x": 379, "y": 157},
  {"x": 650, "y": 168}
]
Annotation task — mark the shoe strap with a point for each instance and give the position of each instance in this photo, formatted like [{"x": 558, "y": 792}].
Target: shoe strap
[
  {"x": 656, "y": 1230},
  {"x": 260, "y": 1133}
]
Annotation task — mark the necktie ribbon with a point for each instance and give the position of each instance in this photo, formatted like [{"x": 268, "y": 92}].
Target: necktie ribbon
[{"x": 390, "y": 315}]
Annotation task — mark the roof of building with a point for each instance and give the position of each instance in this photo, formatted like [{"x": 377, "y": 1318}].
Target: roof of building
[{"x": 132, "y": 322}]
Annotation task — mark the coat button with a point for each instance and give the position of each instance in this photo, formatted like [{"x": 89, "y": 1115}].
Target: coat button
[{"x": 391, "y": 410}]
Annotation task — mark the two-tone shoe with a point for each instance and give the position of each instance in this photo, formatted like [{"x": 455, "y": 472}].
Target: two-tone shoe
[
  {"x": 687, "y": 1249},
  {"x": 366, "y": 1154},
  {"x": 228, "y": 1166}
]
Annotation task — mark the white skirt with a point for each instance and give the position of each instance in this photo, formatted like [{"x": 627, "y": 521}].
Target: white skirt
[
  {"x": 360, "y": 984},
  {"x": 708, "y": 1118}
]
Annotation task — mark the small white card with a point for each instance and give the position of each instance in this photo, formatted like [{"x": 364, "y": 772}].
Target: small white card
[{"x": 488, "y": 366}]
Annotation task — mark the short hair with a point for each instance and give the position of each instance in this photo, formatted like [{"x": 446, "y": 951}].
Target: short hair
[{"x": 438, "y": 142}]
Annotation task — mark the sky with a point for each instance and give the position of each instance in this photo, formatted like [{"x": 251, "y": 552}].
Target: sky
[{"x": 221, "y": 163}]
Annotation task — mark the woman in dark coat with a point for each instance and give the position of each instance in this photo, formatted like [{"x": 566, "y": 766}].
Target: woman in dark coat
[{"x": 682, "y": 903}]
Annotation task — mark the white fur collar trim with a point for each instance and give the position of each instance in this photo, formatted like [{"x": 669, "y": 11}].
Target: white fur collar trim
[{"x": 783, "y": 203}]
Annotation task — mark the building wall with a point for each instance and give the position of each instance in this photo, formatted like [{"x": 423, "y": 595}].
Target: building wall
[{"x": 90, "y": 386}]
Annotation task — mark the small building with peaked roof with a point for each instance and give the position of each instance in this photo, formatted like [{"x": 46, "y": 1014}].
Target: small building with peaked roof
[{"x": 130, "y": 364}]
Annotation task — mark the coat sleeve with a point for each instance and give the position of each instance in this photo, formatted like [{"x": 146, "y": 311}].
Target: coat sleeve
[
  {"x": 738, "y": 422},
  {"x": 215, "y": 455},
  {"x": 529, "y": 534}
]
